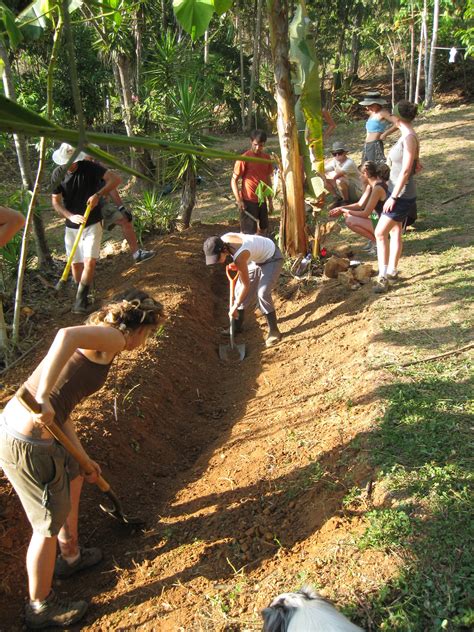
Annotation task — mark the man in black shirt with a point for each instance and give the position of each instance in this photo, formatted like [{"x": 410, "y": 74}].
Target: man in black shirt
[{"x": 83, "y": 183}]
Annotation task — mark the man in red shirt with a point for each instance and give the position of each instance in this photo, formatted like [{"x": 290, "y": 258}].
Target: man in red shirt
[{"x": 253, "y": 216}]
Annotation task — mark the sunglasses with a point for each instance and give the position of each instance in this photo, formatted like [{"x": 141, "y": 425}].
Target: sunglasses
[{"x": 338, "y": 153}]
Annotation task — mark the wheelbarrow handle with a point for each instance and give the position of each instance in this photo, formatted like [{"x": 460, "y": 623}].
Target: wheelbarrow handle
[{"x": 27, "y": 399}]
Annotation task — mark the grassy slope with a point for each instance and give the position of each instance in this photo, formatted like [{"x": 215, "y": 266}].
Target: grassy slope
[{"x": 422, "y": 443}]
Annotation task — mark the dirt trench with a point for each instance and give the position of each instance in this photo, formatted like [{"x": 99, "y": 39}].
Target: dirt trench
[{"x": 240, "y": 470}]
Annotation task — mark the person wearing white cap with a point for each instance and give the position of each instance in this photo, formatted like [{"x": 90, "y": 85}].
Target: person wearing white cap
[
  {"x": 342, "y": 176},
  {"x": 376, "y": 127},
  {"x": 82, "y": 184}
]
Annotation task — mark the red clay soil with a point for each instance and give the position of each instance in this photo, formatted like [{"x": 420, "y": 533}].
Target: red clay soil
[{"x": 239, "y": 469}]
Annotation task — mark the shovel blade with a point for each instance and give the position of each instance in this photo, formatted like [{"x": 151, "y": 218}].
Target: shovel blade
[{"x": 232, "y": 354}]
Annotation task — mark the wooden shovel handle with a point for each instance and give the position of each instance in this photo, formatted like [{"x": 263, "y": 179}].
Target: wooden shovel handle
[{"x": 27, "y": 399}]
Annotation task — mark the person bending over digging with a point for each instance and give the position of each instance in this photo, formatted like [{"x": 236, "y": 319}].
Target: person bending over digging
[
  {"x": 115, "y": 213},
  {"x": 358, "y": 215},
  {"x": 82, "y": 184},
  {"x": 46, "y": 479},
  {"x": 10, "y": 223},
  {"x": 259, "y": 262}
]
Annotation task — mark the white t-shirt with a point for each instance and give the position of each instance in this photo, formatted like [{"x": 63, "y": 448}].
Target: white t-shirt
[
  {"x": 349, "y": 169},
  {"x": 260, "y": 248}
]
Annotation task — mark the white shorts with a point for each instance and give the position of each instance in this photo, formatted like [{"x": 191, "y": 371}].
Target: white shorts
[{"x": 89, "y": 245}]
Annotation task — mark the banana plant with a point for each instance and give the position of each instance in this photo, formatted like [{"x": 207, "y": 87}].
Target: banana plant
[{"x": 195, "y": 15}]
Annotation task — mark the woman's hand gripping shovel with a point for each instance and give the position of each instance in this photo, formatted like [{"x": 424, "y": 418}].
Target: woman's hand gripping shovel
[
  {"x": 63, "y": 280},
  {"x": 116, "y": 511},
  {"x": 232, "y": 351}
]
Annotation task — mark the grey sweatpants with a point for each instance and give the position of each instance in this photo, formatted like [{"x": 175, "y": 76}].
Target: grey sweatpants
[{"x": 263, "y": 278}]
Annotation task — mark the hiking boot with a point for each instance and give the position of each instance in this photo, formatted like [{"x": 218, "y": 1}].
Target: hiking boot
[
  {"x": 274, "y": 334},
  {"x": 392, "y": 278},
  {"x": 54, "y": 612},
  {"x": 237, "y": 324},
  {"x": 372, "y": 250},
  {"x": 380, "y": 285},
  {"x": 143, "y": 255},
  {"x": 368, "y": 246},
  {"x": 81, "y": 304},
  {"x": 88, "y": 557}
]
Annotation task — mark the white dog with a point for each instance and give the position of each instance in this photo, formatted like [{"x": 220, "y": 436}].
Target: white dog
[{"x": 304, "y": 611}]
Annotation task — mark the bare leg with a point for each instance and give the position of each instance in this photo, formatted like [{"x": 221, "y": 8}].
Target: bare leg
[
  {"x": 361, "y": 226},
  {"x": 77, "y": 270},
  {"x": 88, "y": 271},
  {"x": 129, "y": 234},
  {"x": 396, "y": 246},
  {"x": 384, "y": 226},
  {"x": 69, "y": 535},
  {"x": 343, "y": 188},
  {"x": 40, "y": 560}
]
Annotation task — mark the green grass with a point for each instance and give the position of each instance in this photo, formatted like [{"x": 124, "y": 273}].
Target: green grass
[{"x": 423, "y": 451}]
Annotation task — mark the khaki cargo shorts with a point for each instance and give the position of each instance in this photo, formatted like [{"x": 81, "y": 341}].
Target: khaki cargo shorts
[
  {"x": 40, "y": 473},
  {"x": 110, "y": 215}
]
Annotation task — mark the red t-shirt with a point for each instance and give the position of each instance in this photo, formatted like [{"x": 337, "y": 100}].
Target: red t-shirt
[{"x": 251, "y": 174}]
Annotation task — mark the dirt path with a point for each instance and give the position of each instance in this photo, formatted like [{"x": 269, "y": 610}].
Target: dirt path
[{"x": 241, "y": 471}]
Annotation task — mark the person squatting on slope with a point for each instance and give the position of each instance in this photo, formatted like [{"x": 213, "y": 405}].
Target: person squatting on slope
[
  {"x": 253, "y": 216},
  {"x": 377, "y": 128},
  {"x": 83, "y": 183},
  {"x": 358, "y": 215},
  {"x": 342, "y": 175},
  {"x": 10, "y": 223},
  {"x": 46, "y": 479},
  {"x": 115, "y": 213},
  {"x": 399, "y": 209},
  {"x": 259, "y": 262}
]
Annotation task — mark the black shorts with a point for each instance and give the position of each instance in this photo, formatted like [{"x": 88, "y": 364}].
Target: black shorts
[
  {"x": 248, "y": 225},
  {"x": 404, "y": 211}
]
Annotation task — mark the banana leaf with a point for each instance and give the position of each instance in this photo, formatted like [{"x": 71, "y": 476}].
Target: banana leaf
[{"x": 17, "y": 119}]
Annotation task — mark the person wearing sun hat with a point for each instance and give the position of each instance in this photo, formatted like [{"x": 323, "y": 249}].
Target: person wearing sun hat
[
  {"x": 376, "y": 127},
  {"x": 342, "y": 175},
  {"x": 74, "y": 187}
]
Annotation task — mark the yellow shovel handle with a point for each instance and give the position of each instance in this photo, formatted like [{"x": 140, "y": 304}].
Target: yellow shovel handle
[{"x": 80, "y": 230}]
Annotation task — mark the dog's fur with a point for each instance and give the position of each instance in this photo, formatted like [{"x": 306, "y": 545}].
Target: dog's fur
[{"x": 304, "y": 611}]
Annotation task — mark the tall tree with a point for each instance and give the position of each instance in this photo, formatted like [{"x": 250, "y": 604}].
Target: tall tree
[{"x": 431, "y": 71}]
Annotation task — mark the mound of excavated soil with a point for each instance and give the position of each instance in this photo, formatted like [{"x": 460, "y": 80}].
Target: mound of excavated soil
[{"x": 240, "y": 470}]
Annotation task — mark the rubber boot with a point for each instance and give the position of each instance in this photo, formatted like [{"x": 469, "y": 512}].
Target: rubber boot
[
  {"x": 237, "y": 324},
  {"x": 274, "y": 334},
  {"x": 81, "y": 305}
]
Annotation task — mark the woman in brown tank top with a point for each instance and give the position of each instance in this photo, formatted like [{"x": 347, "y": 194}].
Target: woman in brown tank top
[{"x": 45, "y": 478}]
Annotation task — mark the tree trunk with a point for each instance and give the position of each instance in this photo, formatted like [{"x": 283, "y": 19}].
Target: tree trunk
[
  {"x": 412, "y": 56},
  {"x": 420, "y": 57},
  {"x": 355, "y": 44},
  {"x": 434, "y": 37},
  {"x": 292, "y": 228},
  {"x": 188, "y": 198},
  {"x": 238, "y": 28},
  {"x": 42, "y": 250},
  {"x": 425, "y": 36},
  {"x": 255, "y": 62}
]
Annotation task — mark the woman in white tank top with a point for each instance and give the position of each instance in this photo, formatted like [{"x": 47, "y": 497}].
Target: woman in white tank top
[{"x": 259, "y": 262}]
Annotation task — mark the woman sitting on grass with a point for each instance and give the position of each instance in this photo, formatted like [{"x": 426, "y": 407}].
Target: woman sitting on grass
[
  {"x": 358, "y": 215},
  {"x": 46, "y": 479}
]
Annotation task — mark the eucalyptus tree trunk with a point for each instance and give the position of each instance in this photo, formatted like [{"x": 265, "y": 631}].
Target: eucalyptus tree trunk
[
  {"x": 292, "y": 227},
  {"x": 425, "y": 35},
  {"x": 188, "y": 198},
  {"x": 434, "y": 37},
  {"x": 238, "y": 28},
  {"x": 420, "y": 58},
  {"x": 412, "y": 55},
  {"x": 42, "y": 250},
  {"x": 255, "y": 62}
]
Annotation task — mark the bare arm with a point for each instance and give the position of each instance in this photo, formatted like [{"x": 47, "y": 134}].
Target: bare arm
[
  {"x": 356, "y": 206},
  {"x": 10, "y": 223},
  {"x": 234, "y": 183},
  {"x": 331, "y": 125},
  {"x": 111, "y": 181},
  {"x": 375, "y": 196},
  {"x": 58, "y": 205},
  {"x": 242, "y": 265}
]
